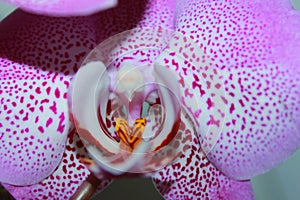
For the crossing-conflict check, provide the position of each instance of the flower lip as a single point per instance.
(97, 138)
(95, 85)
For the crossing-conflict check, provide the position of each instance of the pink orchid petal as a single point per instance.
(254, 46)
(37, 56)
(46, 52)
(64, 7)
(64, 181)
(194, 177)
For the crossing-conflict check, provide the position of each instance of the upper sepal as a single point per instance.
(64, 7)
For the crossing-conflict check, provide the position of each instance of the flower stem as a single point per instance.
(87, 188)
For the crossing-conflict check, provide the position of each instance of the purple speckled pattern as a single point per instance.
(252, 45)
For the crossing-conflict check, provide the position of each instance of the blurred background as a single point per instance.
(280, 183)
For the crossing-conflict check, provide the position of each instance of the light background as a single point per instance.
(281, 183)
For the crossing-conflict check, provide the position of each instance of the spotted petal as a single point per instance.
(194, 177)
(64, 7)
(65, 180)
(39, 56)
(254, 47)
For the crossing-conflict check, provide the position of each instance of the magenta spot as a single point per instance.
(66, 83)
(57, 93)
(175, 64)
(232, 108)
(41, 129)
(26, 117)
(53, 108)
(38, 90)
(36, 119)
(172, 54)
(48, 90)
(61, 126)
(49, 122)
(218, 85)
(45, 101)
(241, 102)
(210, 104)
(212, 121)
(224, 100)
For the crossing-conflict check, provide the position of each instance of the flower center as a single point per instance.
(145, 139)
(130, 136)
(130, 89)
(108, 99)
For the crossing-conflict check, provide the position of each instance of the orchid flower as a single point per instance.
(219, 81)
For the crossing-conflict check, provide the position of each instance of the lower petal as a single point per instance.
(194, 177)
(65, 180)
